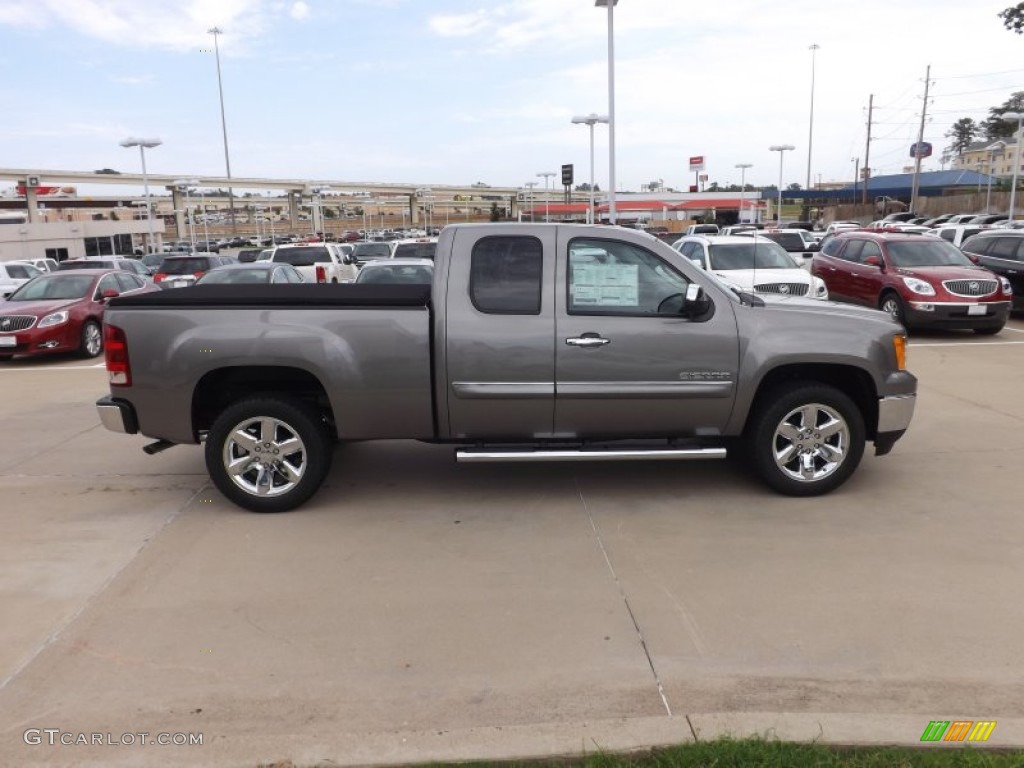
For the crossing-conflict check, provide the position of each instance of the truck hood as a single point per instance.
(817, 306)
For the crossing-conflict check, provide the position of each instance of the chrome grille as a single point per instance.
(970, 287)
(12, 323)
(786, 289)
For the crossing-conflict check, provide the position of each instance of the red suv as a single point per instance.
(921, 280)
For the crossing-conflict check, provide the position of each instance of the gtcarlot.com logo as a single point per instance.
(55, 736)
(958, 730)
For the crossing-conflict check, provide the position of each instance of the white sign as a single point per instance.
(605, 285)
(697, 163)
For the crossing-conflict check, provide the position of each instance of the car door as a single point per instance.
(866, 280)
(833, 265)
(622, 367)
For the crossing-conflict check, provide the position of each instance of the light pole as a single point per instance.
(810, 131)
(547, 195)
(143, 145)
(781, 149)
(743, 185)
(529, 197)
(185, 185)
(988, 191)
(590, 120)
(610, 5)
(1019, 117)
(215, 31)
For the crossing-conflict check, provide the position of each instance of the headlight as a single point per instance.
(919, 286)
(820, 289)
(55, 319)
(1007, 288)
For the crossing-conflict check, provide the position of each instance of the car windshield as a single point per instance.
(53, 287)
(184, 266)
(791, 241)
(754, 255)
(301, 257)
(396, 273)
(235, 276)
(367, 251)
(415, 251)
(931, 253)
(153, 259)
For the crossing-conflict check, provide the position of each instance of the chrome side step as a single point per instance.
(470, 456)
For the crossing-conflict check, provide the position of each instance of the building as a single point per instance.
(62, 240)
(991, 156)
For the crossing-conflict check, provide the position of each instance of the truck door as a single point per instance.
(626, 364)
(499, 333)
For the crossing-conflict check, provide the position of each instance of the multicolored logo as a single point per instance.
(958, 730)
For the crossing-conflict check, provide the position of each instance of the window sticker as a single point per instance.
(605, 285)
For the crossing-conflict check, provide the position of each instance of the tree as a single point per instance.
(995, 127)
(962, 133)
(794, 187)
(1013, 18)
(586, 187)
(495, 215)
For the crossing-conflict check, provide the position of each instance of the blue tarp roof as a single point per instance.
(930, 183)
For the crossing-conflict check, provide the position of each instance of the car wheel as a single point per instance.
(806, 439)
(92, 339)
(991, 330)
(268, 454)
(892, 304)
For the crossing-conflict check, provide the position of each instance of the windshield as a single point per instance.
(931, 253)
(415, 251)
(184, 266)
(396, 273)
(791, 241)
(753, 255)
(305, 256)
(235, 276)
(367, 251)
(53, 287)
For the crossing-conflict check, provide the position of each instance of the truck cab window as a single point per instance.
(505, 275)
(618, 278)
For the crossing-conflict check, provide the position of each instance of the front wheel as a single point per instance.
(268, 454)
(92, 339)
(893, 305)
(806, 439)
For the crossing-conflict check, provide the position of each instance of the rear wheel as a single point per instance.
(893, 305)
(92, 339)
(806, 439)
(268, 454)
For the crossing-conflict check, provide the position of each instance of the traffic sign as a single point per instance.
(567, 175)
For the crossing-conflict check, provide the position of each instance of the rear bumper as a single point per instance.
(117, 415)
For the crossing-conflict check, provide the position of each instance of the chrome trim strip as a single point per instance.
(895, 412)
(112, 418)
(503, 390)
(616, 390)
(482, 457)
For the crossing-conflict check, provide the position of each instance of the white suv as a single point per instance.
(317, 262)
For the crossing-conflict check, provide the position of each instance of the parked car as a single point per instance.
(961, 218)
(416, 248)
(1002, 252)
(318, 262)
(43, 265)
(255, 272)
(938, 220)
(956, 233)
(248, 255)
(62, 312)
(365, 251)
(13, 275)
(183, 271)
(921, 281)
(702, 229)
(751, 263)
(208, 246)
(987, 219)
(398, 271)
(798, 243)
(134, 266)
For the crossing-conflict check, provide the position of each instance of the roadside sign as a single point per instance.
(567, 175)
(921, 149)
(703, 177)
(697, 163)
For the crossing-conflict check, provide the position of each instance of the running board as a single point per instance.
(652, 454)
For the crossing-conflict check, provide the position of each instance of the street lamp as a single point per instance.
(810, 132)
(1019, 117)
(547, 195)
(781, 149)
(143, 145)
(591, 120)
(529, 197)
(215, 31)
(185, 185)
(988, 191)
(743, 185)
(611, 104)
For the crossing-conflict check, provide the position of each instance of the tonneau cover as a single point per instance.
(282, 295)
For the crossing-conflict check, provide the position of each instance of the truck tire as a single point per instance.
(806, 439)
(268, 453)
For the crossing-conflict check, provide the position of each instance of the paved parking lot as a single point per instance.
(418, 609)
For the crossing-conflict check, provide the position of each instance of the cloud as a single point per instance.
(132, 79)
(460, 25)
(299, 11)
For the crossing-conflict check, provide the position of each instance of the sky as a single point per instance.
(463, 91)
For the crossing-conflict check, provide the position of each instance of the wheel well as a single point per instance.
(219, 389)
(854, 382)
(885, 292)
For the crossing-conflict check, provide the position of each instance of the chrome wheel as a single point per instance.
(892, 305)
(264, 456)
(811, 442)
(92, 339)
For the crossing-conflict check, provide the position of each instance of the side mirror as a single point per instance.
(973, 258)
(873, 261)
(697, 304)
(109, 293)
(814, 247)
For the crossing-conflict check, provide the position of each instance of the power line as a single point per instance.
(1014, 88)
(980, 74)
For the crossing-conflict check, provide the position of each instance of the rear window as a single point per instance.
(396, 273)
(415, 251)
(791, 241)
(96, 264)
(302, 257)
(22, 271)
(184, 266)
(367, 251)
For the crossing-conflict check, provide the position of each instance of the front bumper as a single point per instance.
(894, 415)
(117, 415)
(954, 315)
(40, 341)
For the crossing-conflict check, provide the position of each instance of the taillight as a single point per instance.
(115, 345)
(197, 275)
(321, 273)
(159, 277)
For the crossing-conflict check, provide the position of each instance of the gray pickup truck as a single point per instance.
(536, 342)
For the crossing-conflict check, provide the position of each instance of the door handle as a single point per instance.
(587, 340)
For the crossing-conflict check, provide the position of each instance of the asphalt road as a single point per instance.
(417, 609)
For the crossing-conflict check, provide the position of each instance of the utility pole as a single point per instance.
(920, 139)
(867, 151)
